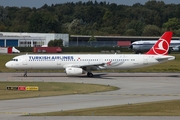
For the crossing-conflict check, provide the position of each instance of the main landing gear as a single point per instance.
(89, 74)
(25, 74)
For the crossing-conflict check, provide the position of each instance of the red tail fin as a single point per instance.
(161, 47)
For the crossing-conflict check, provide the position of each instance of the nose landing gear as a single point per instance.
(25, 74)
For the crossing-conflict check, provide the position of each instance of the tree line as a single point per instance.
(93, 18)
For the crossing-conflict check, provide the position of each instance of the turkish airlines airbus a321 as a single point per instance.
(77, 64)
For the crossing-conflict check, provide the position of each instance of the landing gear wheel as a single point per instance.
(89, 74)
(25, 74)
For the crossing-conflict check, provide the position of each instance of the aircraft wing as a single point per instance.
(86, 66)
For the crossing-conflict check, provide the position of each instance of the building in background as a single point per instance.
(9, 39)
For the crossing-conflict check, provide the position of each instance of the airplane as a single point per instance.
(78, 64)
(144, 46)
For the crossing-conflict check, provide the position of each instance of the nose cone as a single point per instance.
(8, 65)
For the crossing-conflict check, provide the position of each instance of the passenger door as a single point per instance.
(25, 60)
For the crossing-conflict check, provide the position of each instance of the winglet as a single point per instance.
(161, 47)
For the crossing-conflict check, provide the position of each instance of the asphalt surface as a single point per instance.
(134, 88)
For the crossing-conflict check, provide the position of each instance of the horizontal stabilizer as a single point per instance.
(165, 58)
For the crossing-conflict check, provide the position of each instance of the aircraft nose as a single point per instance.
(8, 65)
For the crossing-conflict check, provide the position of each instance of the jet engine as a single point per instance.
(176, 49)
(72, 71)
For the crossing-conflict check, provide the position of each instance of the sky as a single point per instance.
(40, 3)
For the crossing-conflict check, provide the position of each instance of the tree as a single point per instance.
(92, 39)
(151, 30)
(130, 32)
(137, 26)
(2, 28)
(55, 43)
(75, 26)
(172, 24)
(177, 32)
(91, 18)
(43, 22)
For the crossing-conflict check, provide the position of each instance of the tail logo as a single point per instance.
(161, 47)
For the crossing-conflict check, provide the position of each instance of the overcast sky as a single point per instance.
(40, 3)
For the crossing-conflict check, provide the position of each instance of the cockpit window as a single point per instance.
(14, 60)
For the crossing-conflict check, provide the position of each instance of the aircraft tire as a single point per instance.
(89, 74)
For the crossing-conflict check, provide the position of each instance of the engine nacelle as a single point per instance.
(176, 49)
(72, 71)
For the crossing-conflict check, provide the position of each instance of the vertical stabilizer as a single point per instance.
(161, 47)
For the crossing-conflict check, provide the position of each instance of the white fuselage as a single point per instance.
(96, 61)
(146, 45)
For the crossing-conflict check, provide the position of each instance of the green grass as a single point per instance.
(49, 89)
(165, 108)
(5, 58)
(171, 66)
